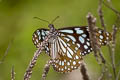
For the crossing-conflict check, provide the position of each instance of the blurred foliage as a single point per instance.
(17, 24)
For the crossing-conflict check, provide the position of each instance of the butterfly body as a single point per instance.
(67, 47)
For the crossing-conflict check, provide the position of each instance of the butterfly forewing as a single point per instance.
(76, 38)
(39, 36)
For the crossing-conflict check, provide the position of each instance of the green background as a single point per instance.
(17, 25)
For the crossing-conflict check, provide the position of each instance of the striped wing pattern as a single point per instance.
(69, 46)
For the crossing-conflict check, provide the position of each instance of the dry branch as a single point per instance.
(46, 69)
(112, 8)
(28, 73)
(83, 71)
(6, 52)
(100, 13)
(12, 73)
(112, 50)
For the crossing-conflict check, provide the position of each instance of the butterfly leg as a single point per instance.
(46, 69)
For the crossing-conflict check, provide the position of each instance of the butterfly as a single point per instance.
(69, 45)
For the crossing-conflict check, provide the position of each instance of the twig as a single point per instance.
(12, 73)
(28, 73)
(113, 9)
(84, 71)
(92, 33)
(6, 52)
(100, 13)
(94, 43)
(91, 27)
(112, 50)
(102, 74)
(46, 69)
(101, 56)
(118, 75)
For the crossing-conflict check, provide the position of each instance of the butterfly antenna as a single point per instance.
(41, 19)
(55, 19)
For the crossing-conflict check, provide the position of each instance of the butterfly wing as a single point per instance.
(69, 46)
(77, 38)
(39, 36)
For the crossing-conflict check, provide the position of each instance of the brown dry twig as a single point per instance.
(12, 73)
(100, 13)
(92, 33)
(6, 52)
(112, 50)
(83, 71)
(46, 69)
(118, 75)
(92, 29)
(112, 8)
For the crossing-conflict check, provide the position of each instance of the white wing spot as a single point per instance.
(78, 31)
(105, 41)
(76, 48)
(63, 42)
(72, 67)
(65, 67)
(38, 32)
(88, 43)
(85, 46)
(67, 31)
(74, 63)
(71, 52)
(107, 38)
(62, 69)
(107, 33)
(63, 48)
(88, 50)
(43, 33)
(64, 60)
(79, 62)
(78, 45)
(68, 54)
(72, 38)
(100, 31)
(68, 68)
(35, 35)
(100, 40)
(76, 57)
(59, 62)
(68, 44)
(84, 35)
(88, 39)
(62, 35)
(81, 39)
(68, 63)
(37, 40)
(73, 42)
(62, 63)
(67, 39)
(101, 37)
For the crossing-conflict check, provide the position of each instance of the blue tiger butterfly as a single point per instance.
(69, 46)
